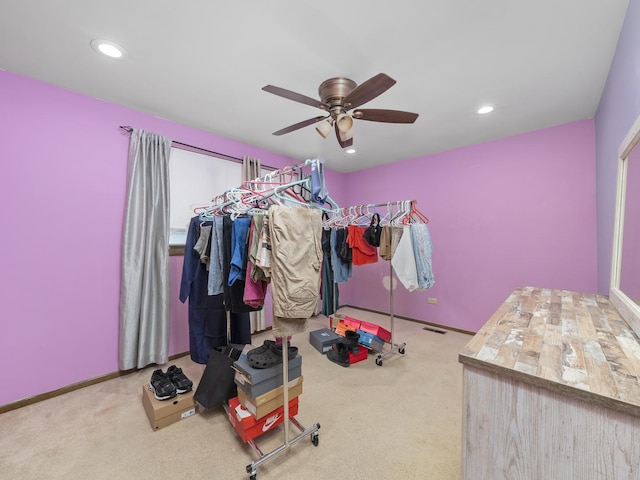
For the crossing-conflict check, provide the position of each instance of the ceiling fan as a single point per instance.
(338, 97)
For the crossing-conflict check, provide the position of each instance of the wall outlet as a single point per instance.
(433, 301)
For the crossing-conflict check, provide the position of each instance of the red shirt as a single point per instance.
(363, 252)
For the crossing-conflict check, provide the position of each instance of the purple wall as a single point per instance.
(618, 109)
(516, 211)
(505, 213)
(62, 195)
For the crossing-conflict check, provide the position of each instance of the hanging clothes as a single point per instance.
(318, 188)
(239, 249)
(422, 248)
(206, 313)
(256, 273)
(254, 291)
(342, 270)
(296, 244)
(363, 252)
(329, 289)
(216, 257)
(404, 261)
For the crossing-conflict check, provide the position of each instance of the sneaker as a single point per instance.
(161, 386)
(179, 379)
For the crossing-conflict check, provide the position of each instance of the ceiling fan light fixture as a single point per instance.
(345, 122)
(324, 127)
(350, 150)
(345, 136)
(485, 109)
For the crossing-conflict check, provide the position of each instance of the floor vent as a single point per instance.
(435, 330)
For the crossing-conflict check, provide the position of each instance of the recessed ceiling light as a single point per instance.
(110, 49)
(350, 150)
(486, 109)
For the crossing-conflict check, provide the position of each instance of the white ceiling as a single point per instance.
(203, 64)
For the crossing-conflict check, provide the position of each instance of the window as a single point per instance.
(195, 179)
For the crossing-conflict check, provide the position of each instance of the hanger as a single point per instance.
(415, 215)
(285, 194)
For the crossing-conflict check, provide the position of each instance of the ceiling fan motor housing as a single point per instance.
(333, 91)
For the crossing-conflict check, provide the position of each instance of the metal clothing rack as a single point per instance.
(287, 443)
(394, 347)
(220, 205)
(409, 208)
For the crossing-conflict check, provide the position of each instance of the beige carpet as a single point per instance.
(401, 420)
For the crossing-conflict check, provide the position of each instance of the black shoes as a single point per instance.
(269, 354)
(352, 338)
(339, 354)
(179, 379)
(167, 385)
(161, 386)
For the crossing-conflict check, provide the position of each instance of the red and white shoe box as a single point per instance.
(248, 427)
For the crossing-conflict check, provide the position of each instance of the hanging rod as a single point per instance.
(186, 146)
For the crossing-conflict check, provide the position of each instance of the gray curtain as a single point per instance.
(144, 291)
(251, 169)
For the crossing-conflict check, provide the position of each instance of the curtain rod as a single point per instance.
(186, 146)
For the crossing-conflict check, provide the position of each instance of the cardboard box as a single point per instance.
(323, 340)
(266, 385)
(248, 427)
(257, 375)
(363, 355)
(270, 401)
(377, 330)
(371, 341)
(165, 412)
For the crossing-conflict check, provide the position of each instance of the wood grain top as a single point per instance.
(573, 343)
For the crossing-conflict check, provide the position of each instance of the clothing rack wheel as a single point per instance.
(311, 431)
(395, 348)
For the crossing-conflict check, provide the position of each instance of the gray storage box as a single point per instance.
(324, 339)
(257, 389)
(257, 375)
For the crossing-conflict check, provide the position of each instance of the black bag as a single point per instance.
(372, 232)
(217, 386)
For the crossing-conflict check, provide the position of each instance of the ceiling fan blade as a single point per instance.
(368, 90)
(382, 115)
(299, 125)
(296, 97)
(346, 143)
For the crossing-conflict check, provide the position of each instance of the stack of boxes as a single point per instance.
(372, 336)
(259, 406)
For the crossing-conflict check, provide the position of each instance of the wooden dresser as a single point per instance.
(552, 391)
